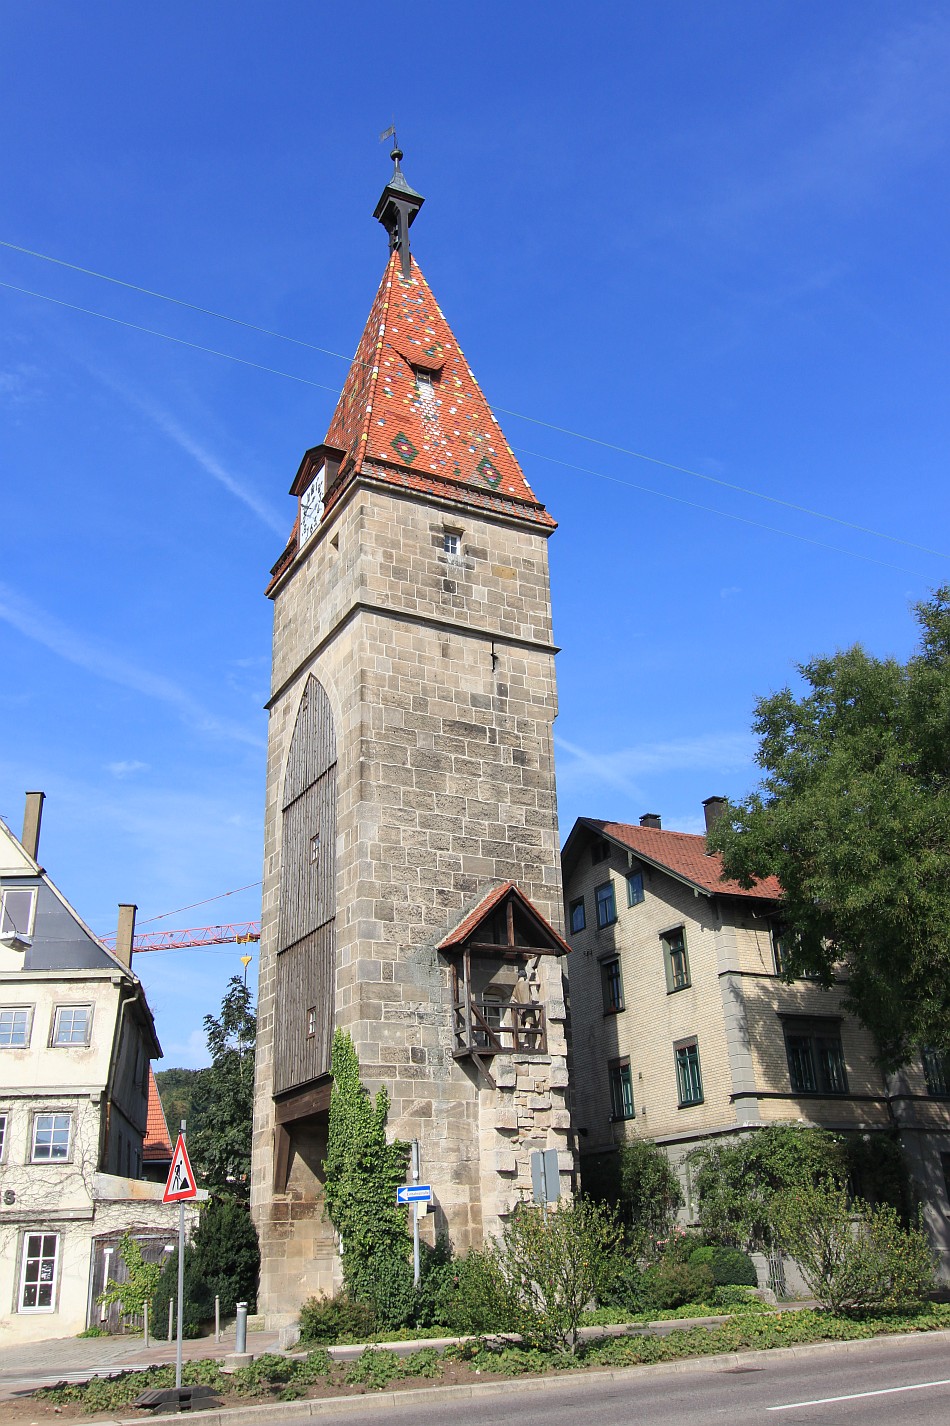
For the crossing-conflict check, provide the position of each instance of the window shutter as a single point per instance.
(667, 965)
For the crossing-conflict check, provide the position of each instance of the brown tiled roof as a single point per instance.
(447, 444)
(479, 913)
(156, 1144)
(684, 854)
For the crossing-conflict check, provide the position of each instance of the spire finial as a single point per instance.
(398, 205)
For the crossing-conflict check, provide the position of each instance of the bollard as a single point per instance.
(240, 1329)
(145, 1324)
(171, 1309)
(217, 1318)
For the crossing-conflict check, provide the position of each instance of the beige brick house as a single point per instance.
(411, 875)
(682, 1027)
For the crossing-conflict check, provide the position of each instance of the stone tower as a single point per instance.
(411, 871)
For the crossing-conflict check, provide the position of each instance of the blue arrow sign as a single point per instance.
(414, 1193)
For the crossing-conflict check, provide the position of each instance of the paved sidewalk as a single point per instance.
(27, 1365)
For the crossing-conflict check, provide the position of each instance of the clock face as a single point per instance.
(311, 505)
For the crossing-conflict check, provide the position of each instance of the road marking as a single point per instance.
(857, 1395)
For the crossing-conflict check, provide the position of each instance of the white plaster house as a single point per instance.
(76, 1039)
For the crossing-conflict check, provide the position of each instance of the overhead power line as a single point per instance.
(502, 410)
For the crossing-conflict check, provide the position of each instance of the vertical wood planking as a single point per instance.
(306, 960)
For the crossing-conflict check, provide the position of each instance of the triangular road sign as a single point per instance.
(181, 1180)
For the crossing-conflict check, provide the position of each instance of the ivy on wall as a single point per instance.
(363, 1172)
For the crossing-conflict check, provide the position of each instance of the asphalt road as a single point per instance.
(885, 1385)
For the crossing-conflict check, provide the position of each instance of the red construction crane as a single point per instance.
(238, 931)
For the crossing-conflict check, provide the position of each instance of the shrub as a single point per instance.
(673, 1284)
(226, 1253)
(198, 1304)
(336, 1319)
(737, 1181)
(624, 1287)
(472, 1295)
(639, 1183)
(729, 1266)
(853, 1257)
(553, 1269)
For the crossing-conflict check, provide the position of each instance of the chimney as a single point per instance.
(125, 935)
(713, 807)
(651, 819)
(32, 817)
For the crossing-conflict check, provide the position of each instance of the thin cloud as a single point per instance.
(626, 768)
(208, 462)
(34, 623)
(199, 453)
(126, 769)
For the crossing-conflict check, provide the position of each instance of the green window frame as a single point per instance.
(676, 959)
(606, 903)
(612, 982)
(689, 1078)
(936, 1072)
(634, 888)
(621, 1089)
(815, 1057)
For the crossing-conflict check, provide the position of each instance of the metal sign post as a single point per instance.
(415, 1216)
(545, 1178)
(180, 1187)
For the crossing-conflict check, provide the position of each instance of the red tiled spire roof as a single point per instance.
(446, 444)
(157, 1144)
(684, 854)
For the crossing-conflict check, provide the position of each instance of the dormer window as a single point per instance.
(16, 911)
(425, 383)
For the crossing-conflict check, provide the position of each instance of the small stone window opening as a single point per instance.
(314, 848)
(450, 544)
(311, 1022)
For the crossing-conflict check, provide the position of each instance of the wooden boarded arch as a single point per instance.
(306, 959)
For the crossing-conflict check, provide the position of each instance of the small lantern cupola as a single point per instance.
(396, 210)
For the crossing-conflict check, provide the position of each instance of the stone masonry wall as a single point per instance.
(440, 673)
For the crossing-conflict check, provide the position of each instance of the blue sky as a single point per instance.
(714, 235)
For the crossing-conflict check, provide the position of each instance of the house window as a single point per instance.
(578, 917)
(945, 1165)
(815, 1057)
(689, 1080)
(311, 1022)
(3, 1135)
(675, 959)
(51, 1134)
(16, 911)
(621, 1089)
(937, 1073)
(71, 1024)
(38, 1275)
(15, 1028)
(613, 986)
(599, 850)
(450, 545)
(780, 950)
(634, 888)
(606, 905)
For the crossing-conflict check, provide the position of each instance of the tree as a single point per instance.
(638, 1180)
(853, 817)
(363, 1172)
(223, 1096)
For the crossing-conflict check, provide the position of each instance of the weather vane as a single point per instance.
(390, 133)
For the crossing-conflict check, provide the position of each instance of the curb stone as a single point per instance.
(320, 1406)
